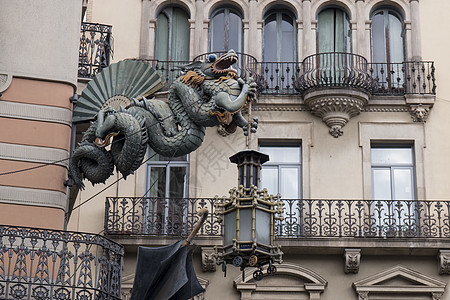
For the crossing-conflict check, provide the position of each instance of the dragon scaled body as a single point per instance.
(208, 94)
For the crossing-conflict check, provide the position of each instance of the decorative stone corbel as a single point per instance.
(352, 260)
(208, 259)
(437, 296)
(363, 295)
(444, 262)
(420, 112)
(337, 108)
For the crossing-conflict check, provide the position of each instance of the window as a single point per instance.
(172, 35)
(333, 31)
(225, 31)
(333, 41)
(279, 51)
(282, 174)
(167, 185)
(393, 187)
(388, 48)
(279, 38)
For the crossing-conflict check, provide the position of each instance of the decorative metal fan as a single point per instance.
(115, 86)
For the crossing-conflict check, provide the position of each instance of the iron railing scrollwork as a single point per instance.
(364, 219)
(96, 49)
(332, 70)
(322, 71)
(43, 264)
(279, 77)
(415, 77)
(158, 216)
(302, 218)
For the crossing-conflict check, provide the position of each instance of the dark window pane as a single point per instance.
(378, 39)
(270, 39)
(157, 186)
(177, 180)
(287, 39)
(395, 39)
(235, 32)
(218, 32)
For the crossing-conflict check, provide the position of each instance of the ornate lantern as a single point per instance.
(248, 217)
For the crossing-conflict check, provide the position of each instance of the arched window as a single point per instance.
(279, 43)
(333, 31)
(172, 35)
(225, 31)
(279, 51)
(388, 50)
(387, 37)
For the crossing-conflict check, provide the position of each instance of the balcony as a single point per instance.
(96, 49)
(171, 70)
(307, 224)
(45, 264)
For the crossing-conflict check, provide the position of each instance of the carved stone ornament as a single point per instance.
(437, 296)
(420, 112)
(5, 81)
(352, 260)
(363, 295)
(208, 259)
(336, 109)
(444, 262)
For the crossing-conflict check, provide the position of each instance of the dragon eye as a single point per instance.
(212, 58)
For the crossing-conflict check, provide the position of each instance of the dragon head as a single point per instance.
(215, 67)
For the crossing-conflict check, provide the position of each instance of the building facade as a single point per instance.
(352, 111)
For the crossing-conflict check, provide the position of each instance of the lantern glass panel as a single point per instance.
(262, 227)
(229, 228)
(245, 225)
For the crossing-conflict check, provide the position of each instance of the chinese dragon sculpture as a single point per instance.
(209, 93)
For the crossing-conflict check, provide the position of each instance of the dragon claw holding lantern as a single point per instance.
(209, 94)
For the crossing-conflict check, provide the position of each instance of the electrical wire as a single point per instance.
(68, 158)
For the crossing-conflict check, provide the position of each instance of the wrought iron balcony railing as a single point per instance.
(322, 71)
(334, 70)
(403, 78)
(44, 264)
(96, 49)
(158, 216)
(279, 77)
(302, 218)
(171, 70)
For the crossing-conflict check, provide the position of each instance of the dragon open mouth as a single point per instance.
(223, 64)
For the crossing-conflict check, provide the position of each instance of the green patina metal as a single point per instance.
(208, 94)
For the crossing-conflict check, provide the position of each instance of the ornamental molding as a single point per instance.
(420, 112)
(5, 81)
(336, 108)
(208, 259)
(415, 282)
(352, 260)
(444, 262)
(384, 109)
(277, 107)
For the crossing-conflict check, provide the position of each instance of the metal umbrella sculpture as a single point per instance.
(167, 272)
(209, 93)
